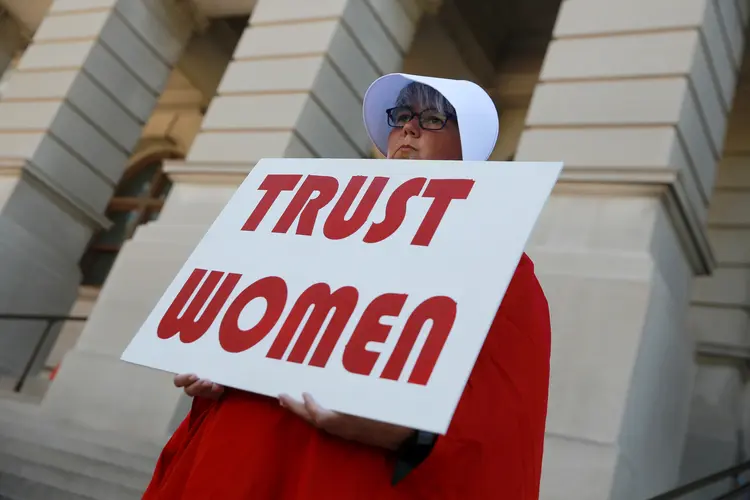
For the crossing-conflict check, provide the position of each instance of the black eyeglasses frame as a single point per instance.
(448, 117)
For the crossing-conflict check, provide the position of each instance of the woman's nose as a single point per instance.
(412, 126)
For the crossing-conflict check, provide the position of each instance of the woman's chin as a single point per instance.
(406, 154)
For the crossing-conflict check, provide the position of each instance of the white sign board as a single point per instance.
(370, 284)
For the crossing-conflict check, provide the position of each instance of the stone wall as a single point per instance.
(70, 117)
(719, 432)
(634, 97)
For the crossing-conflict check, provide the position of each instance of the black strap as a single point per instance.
(412, 453)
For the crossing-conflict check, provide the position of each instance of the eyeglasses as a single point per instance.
(429, 119)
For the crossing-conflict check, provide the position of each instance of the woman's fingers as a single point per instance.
(184, 379)
(296, 407)
(198, 388)
(204, 389)
(193, 386)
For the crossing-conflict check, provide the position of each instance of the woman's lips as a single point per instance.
(407, 152)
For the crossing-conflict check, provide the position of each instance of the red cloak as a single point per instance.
(246, 446)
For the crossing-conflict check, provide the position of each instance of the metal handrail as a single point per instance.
(730, 472)
(735, 492)
(50, 321)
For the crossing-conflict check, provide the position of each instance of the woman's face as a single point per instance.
(414, 143)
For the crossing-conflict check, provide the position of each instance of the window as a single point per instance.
(138, 199)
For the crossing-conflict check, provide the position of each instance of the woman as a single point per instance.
(237, 445)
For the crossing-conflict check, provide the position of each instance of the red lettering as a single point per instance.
(188, 324)
(337, 227)
(234, 339)
(273, 185)
(317, 191)
(319, 297)
(395, 210)
(305, 207)
(443, 192)
(442, 312)
(357, 359)
(192, 319)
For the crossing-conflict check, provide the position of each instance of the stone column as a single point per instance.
(293, 89)
(719, 319)
(70, 116)
(634, 97)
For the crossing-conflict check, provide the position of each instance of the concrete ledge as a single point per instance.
(67, 201)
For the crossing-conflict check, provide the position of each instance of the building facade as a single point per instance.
(126, 125)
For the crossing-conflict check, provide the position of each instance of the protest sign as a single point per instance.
(370, 284)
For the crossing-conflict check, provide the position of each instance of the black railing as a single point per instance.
(49, 323)
(729, 473)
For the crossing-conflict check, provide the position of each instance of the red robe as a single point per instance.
(246, 446)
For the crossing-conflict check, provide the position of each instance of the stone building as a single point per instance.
(125, 126)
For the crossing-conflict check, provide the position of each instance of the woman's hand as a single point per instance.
(349, 427)
(193, 386)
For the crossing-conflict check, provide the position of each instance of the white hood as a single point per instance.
(477, 116)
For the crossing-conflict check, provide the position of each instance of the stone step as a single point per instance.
(13, 487)
(63, 446)
(34, 388)
(80, 465)
(7, 393)
(59, 443)
(51, 460)
(73, 483)
(23, 424)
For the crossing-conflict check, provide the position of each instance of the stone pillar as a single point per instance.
(634, 97)
(719, 316)
(70, 116)
(445, 46)
(515, 82)
(293, 89)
